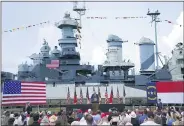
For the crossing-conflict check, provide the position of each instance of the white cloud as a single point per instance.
(50, 33)
(98, 55)
(176, 35)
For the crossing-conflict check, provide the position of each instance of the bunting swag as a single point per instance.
(26, 27)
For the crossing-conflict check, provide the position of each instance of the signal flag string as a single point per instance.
(170, 22)
(48, 22)
(26, 27)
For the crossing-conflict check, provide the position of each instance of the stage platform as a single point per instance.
(102, 107)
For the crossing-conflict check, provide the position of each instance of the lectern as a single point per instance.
(95, 102)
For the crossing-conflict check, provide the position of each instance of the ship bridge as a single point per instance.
(67, 21)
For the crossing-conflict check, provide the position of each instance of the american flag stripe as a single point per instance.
(18, 93)
(23, 102)
(23, 95)
(35, 85)
(27, 94)
(32, 91)
(39, 86)
(36, 88)
(24, 98)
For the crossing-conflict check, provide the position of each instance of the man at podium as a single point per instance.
(95, 101)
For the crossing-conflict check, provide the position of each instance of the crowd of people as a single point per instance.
(166, 116)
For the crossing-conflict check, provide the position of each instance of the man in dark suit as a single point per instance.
(94, 98)
(159, 105)
(27, 108)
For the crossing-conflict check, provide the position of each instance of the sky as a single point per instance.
(18, 45)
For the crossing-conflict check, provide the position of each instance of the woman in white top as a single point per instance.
(16, 116)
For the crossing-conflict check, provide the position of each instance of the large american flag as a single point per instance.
(106, 97)
(19, 93)
(81, 96)
(54, 64)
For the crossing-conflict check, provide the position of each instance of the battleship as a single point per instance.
(60, 67)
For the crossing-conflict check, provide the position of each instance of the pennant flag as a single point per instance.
(81, 96)
(106, 96)
(87, 96)
(111, 96)
(118, 97)
(68, 96)
(75, 97)
(99, 95)
(151, 93)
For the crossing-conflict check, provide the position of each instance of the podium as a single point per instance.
(95, 106)
(95, 102)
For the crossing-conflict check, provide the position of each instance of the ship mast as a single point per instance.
(80, 10)
(155, 19)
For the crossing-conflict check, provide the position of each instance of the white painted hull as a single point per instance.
(60, 91)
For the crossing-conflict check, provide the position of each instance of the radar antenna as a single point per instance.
(80, 10)
(155, 19)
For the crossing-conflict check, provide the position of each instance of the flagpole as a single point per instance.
(38, 108)
(124, 94)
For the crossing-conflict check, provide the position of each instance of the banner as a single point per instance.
(151, 92)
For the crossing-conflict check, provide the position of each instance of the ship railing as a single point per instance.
(71, 53)
(120, 64)
(66, 22)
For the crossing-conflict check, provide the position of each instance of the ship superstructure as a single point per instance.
(176, 62)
